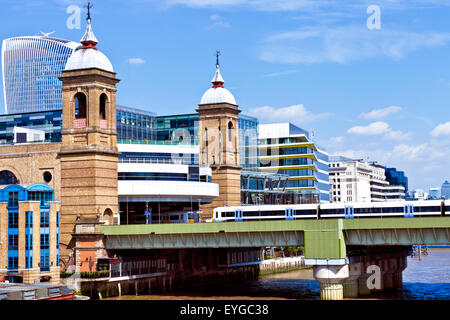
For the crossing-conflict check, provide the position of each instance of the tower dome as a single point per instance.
(88, 56)
(217, 94)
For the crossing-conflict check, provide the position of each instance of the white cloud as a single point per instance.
(295, 114)
(217, 22)
(377, 114)
(344, 44)
(398, 135)
(136, 61)
(380, 128)
(262, 5)
(374, 129)
(281, 73)
(441, 130)
(297, 5)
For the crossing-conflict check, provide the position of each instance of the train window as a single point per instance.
(174, 217)
(428, 209)
(447, 208)
(363, 210)
(272, 213)
(305, 212)
(251, 213)
(393, 210)
(332, 211)
(228, 214)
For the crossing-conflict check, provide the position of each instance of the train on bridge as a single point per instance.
(403, 209)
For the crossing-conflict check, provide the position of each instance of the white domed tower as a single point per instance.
(88, 154)
(219, 142)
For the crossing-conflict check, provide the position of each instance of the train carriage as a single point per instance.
(404, 209)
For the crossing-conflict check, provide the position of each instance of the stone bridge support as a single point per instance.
(331, 280)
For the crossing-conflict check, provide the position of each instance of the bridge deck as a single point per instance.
(323, 238)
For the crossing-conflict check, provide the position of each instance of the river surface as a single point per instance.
(427, 279)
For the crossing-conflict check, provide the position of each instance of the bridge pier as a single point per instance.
(331, 279)
(397, 276)
(351, 284)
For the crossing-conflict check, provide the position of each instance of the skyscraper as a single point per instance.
(445, 190)
(31, 67)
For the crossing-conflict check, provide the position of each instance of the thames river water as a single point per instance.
(428, 279)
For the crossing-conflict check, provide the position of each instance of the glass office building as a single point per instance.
(248, 142)
(31, 67)
(50, 122)
(174, 129)
(289, 150)
(134, 125)
(396, 178)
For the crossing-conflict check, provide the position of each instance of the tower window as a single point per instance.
(80, 106)
(230, 127)
(103, 99)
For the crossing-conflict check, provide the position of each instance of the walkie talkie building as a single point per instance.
(31, 67)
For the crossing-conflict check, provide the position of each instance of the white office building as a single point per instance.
(360, 181)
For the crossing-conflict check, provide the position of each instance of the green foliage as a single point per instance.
(294, 251)
(65, 274)
(94, 274)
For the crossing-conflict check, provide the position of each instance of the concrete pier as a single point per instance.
(351, 284)
(331, 280)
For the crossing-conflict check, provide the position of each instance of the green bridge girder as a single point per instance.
(323, 238)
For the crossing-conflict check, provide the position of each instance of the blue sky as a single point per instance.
(378, 94)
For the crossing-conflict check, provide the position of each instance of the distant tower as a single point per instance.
(219, 142)
(89, 154)
(445, 190)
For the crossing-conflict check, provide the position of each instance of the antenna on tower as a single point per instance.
(89, 6)
(218, 53)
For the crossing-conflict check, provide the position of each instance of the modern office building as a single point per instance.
(396, 178)
(162, 179)
(29, 231)
(50, 122)
(417, 194)
(31, 66)
(360, 181)
(288, 150)
(445, 190)
(434, 194)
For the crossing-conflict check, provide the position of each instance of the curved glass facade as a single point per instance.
(31, 67)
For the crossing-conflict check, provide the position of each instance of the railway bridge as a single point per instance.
(350, 257)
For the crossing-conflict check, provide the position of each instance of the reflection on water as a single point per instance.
(425, 279)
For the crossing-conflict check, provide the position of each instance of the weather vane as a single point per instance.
(217, 57)
(89, 6)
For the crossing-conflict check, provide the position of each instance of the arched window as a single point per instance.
(80, 106)
(7, 177)
(230, 127)
(103, 100)
(107, 217)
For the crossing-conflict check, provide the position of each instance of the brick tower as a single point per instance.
(219, 143)
(89, 154)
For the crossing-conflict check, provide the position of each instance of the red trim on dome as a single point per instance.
(89, 45)
(218, 84)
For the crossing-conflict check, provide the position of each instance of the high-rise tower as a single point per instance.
(219, 142)
(31, 66)
(89, 154)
